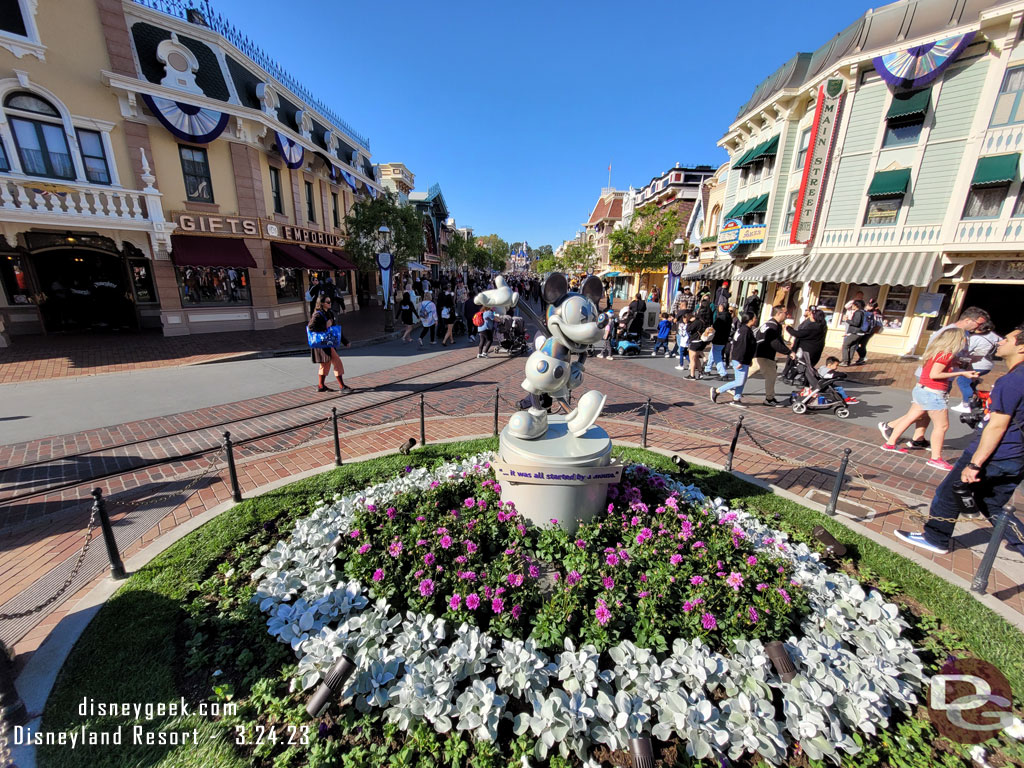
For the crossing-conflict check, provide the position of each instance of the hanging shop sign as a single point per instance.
(190, 223)
(752, 233)
(274, 231)
(826, 120)
(729, 235)
(998, 270)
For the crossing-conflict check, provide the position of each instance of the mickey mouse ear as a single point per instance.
(592, 288)
(555, 287)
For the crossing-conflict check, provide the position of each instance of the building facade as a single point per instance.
(168, 175)
(883, 165)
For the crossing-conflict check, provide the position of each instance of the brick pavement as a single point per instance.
(30, 358)
(33, 551)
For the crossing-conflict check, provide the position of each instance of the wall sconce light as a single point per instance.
(407, 446)
(642, 752)
(334, 682)
(781, 661)
(833, 546)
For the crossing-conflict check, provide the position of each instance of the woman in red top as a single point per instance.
(931, 395)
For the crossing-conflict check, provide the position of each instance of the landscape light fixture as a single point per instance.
(680, 463)
(337, 541)
(833, 546)
(781, 661)
(642, 752)
(407, 446)
(334, 682)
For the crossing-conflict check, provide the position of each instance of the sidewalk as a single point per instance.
(30, 358)
(40, 551)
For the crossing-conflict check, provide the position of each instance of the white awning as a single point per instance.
(417, 266)
(719, 270)
(876, 268)
(779, 269)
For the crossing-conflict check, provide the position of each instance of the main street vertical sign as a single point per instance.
(819, 154)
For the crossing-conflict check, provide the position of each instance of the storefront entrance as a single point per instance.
(85, 290)
(1000, 300)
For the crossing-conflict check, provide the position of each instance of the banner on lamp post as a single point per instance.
(819, 154)
(384, 261)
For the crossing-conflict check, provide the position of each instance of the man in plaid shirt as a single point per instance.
(684, 301)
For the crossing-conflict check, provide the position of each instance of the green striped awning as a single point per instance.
(757, 205)
(744, 158)
(778, 269)
(768, 149)
(874, 268)
(736, 210)
(995, 169)
(909, 105)
(890, 183)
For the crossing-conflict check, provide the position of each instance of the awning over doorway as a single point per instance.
(415, 265)
(720, 270)
(333, 258)
(918, 269)
(199, 251)
(610, 273)
(779, 269)
(295, 257)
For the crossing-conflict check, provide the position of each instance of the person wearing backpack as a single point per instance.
(485, 329)
(877, 323)
(981, 349)
(428, 316)
(858, 328)
(469, 312)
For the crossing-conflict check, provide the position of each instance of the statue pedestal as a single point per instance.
(558, 476)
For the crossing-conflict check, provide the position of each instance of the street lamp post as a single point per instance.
(385, 261)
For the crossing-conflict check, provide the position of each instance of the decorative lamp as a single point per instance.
(407, 446)
(642, 752)
(833, 546)
(334, 682)
(781, 661)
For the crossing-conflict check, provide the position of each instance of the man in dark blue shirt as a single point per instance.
(992, 466)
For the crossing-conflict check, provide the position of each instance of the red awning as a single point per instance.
(295, 257)
(331, 257)
(199, 251)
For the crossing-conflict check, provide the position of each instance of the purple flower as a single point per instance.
(573, 578)
(735, 581)
(687, 606)
(708, 621)
(698, 544)
(418, 573)
(696, 580)
(515, 579)
(460, 559)
(634, 521)
(497, 605)
(785, 595)
(420, 518)
(472, 601)
(516, 610)
(534, 572)
(581, 544)
(469, 502)
(421, 542)
(455, 602)
(645, 593)
(408, 469)
(554, 521)
(395, 548)
(378, 575)
(609, 582)
(363, 549)
(643, 577)
(428, 559)
(371, 507)
(612, 560)
(752, 612)
(354, 533)
(445, 542)
(762, 587)
(488, 592)
(751, 560)
(602, 613)
(471, 546)
(427, 587)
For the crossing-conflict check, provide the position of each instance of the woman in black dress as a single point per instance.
(322, 319)
(407, 311)
(446, 322)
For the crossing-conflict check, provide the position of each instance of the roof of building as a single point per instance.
(608, 207)
(877, 29)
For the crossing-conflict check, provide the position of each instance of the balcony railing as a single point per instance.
(70, 199)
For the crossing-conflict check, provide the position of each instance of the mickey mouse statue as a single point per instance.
(574, 323)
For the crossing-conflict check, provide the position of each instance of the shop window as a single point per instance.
(39, 137)
(288, 284)
(946, 291)
(828, 299)
(882, 212)
(195, 166)
(895, 308)
(275, 190)
(787, 225)
(11, 18)
(142, 281)
(1009, 108)
(985, 202)
(341, 280)
(12, 271)
(5, 164)
(801, 153)
(1018, 207)
(310, 205)
(902, 134)
(334, 210)
(93, 156)
(213, 286)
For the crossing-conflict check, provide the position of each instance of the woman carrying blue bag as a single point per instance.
(324, 337)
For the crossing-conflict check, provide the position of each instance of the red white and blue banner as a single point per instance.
(291, 151)
(349, 179)
(918, 66)
(198, 125)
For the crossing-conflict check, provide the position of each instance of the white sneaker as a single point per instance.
(961, 408)
(667, 355)
(654, 354)
(682, 368)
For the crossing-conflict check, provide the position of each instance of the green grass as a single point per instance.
(186, 614)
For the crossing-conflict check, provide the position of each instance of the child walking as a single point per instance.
(664, 331)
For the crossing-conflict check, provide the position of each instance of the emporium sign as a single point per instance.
(190, 223)
(823, 131)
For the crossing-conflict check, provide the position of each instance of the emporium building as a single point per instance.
(158, 170)
(885, 165)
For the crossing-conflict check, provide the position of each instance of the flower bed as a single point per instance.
(648, 632)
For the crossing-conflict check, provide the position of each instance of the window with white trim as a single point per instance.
(1009, 107)
(985, 202)
(39, 136)
(5, 164)
(801, 152)
(12, 19)
(787, 225)
(882, 211)
(94, 157)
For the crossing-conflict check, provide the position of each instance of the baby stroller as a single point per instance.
(819, 394)
(459, 326)
(513, 335)
(793, 373)
(979, 404)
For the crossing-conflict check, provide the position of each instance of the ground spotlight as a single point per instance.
(407, 446)
(680, 463)
(642, 752)
(832, 545)
(780, 660)
(337, 541)
(334, 682)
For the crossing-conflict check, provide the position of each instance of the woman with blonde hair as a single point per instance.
(931, 395)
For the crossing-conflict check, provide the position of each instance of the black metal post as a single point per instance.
(12, 708)
(831, 508)
(100, 507)
(337, 440)
(229, 452)
(647, 419)
(496, 411)
(423, 421)
(732, 445)
(980, 583)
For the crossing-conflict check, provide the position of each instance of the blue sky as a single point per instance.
(517, 109)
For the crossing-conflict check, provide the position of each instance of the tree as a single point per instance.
(579, 258)
(497, 252)
(362, 225)
(646, 246)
